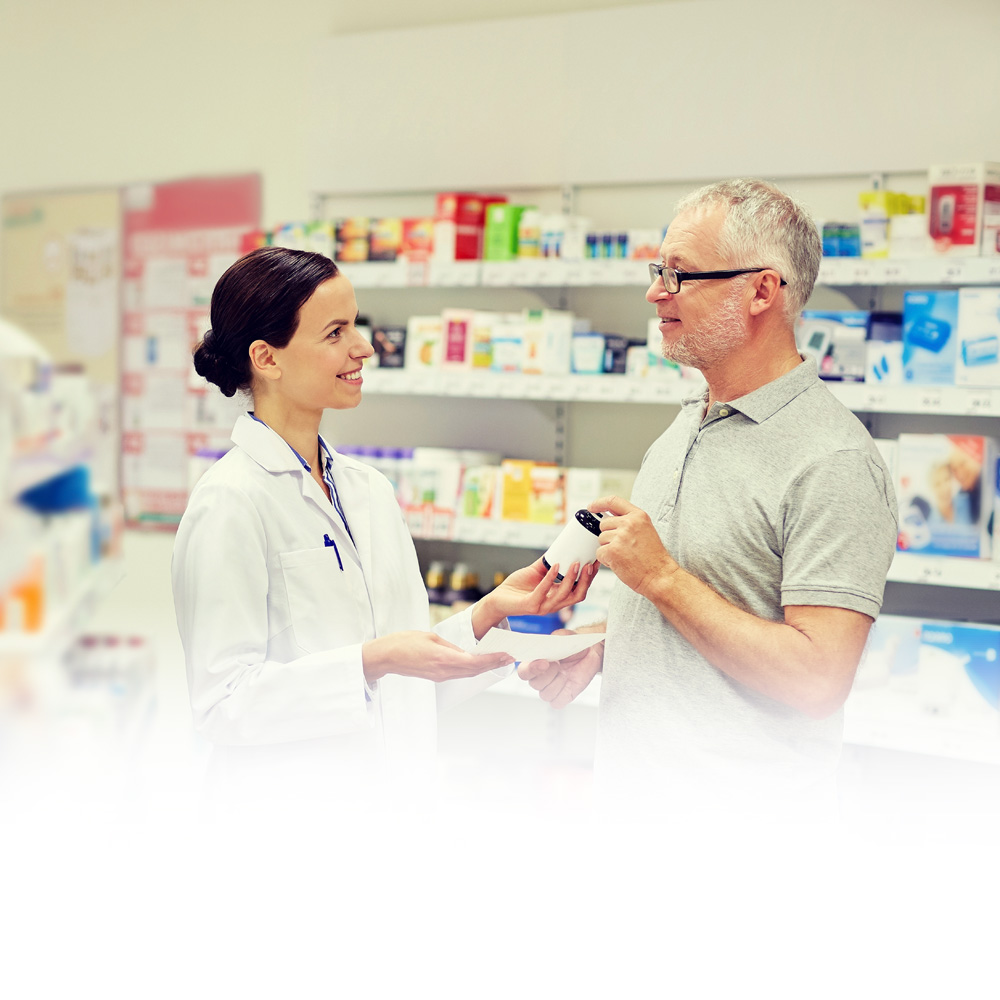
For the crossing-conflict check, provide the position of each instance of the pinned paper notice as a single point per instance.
(529, 646)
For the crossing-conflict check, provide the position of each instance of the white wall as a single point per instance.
(114, 90)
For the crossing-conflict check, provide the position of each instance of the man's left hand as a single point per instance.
(630, 545)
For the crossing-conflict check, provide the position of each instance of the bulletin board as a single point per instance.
(59, 274)
(177, 239)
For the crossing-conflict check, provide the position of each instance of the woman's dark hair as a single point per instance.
(258, 298)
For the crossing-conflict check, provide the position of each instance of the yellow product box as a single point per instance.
(515, 489)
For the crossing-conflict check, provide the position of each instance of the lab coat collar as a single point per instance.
(265, 446)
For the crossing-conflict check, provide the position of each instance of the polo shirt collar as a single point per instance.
(768, 399)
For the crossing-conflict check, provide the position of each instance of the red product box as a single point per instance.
(964, 207)
(418, 239)
(460, 218)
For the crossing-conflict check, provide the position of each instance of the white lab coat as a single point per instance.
(271, 626)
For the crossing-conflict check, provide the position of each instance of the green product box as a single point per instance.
(500, 237)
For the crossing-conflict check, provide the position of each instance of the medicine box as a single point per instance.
(945, 489)
(930, 319)
(390, 346)
(456, 349)
(418, 239)
(500, 234)
(977, 352)
(424, 342)
(507, 342)
(835, 339)
(352, 238)
(884, 348)
(962, 198)
(546, 342)
(385, 238)
(459, 221)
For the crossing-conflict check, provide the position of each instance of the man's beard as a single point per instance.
(714, 340)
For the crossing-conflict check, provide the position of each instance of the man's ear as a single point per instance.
(767, 290)
(263, 360)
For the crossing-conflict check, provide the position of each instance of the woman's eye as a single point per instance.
(334, 334)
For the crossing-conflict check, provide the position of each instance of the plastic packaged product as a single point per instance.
(529, 233)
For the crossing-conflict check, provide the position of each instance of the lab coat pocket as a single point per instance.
(321, 603)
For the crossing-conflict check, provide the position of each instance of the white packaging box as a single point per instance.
(977, 357)
(584, 486)
(424, 342)
(961, 197)
(547, 340)
(945, 488)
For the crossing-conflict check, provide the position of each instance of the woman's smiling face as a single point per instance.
(321, 364)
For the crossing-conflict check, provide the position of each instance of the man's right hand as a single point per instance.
(559, 681)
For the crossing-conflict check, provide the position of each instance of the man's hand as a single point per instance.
(559, 681)
(630, 545)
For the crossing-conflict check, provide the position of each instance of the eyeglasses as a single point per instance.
(672, 278)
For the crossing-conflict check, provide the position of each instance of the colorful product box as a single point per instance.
(835, 339)
(481, 341)
(962, 197)
(500, 235)
(352, 238)
(977, 351)
(945, 489)
(385, 238)
(459, 222)
(929, 323)
(480, 486)
(418, 239)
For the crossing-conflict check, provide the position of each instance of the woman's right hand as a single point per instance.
(424, 654)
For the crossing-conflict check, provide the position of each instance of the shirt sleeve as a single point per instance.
(238, 696)
(839, 534)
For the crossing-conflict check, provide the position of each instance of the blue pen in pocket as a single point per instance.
(328, 541)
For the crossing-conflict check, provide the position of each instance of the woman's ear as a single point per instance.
(263, 360)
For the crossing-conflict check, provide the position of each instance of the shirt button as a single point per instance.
(723, 412)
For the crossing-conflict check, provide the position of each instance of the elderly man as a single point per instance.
(752, 558)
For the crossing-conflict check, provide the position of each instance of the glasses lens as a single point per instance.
(654, 273)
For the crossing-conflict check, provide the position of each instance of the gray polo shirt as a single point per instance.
(779, 497)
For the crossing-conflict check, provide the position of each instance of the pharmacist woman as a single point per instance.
(298, 595)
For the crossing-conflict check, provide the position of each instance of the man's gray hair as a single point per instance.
(764, 227)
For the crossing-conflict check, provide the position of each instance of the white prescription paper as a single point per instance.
(528, 646)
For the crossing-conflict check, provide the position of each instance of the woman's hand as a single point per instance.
(424, 654)
(532, 590)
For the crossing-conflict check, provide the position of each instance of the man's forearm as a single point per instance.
(773, 658)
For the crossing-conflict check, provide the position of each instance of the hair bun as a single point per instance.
(215, 368)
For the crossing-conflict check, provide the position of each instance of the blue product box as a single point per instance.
(930, 320)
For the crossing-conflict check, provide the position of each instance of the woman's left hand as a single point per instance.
(533, 590)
